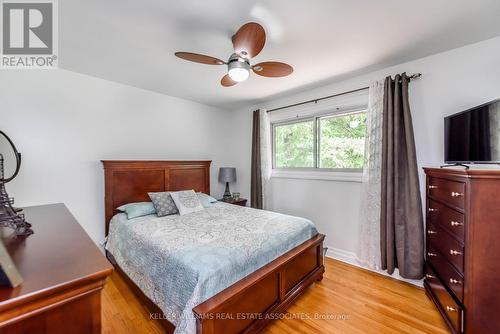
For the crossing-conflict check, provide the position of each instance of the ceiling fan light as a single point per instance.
(238, 74)
(238, 68)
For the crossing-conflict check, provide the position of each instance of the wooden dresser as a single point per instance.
(463, 247)
(64, 273)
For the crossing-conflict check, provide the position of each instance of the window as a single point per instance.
(294, 144)
(341, 141)
(334, 141)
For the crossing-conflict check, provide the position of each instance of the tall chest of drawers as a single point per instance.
(463, 247)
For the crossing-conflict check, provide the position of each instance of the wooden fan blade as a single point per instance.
(272, 69)
(249, 40)
(197, 58)
(226, 81)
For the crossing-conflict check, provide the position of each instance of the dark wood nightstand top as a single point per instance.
(239, 201)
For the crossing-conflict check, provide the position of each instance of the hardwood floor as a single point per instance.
(347, 300)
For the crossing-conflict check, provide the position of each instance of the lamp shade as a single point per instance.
(227, 174)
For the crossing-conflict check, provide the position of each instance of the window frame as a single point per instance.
(316, 141)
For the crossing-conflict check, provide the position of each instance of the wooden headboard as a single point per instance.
(128, 181)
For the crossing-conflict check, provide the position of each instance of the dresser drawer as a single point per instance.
(453, 221)
(450, 192)
(445, 244)
(445, 302)
(450, 277)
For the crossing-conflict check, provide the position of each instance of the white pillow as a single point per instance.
(186, 201)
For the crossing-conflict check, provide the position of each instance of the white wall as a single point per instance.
(451, 81)
(64, 123)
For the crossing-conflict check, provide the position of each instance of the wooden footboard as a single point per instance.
(250, 304)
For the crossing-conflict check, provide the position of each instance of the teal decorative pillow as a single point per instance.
(206, 200)
(139, 209)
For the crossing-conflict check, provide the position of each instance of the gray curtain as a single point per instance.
(401, 221)
(256, 197)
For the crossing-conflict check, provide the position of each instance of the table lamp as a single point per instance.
(227, 174)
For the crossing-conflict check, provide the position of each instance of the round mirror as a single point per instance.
(11, 158)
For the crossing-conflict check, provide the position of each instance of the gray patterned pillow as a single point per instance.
(163, 203)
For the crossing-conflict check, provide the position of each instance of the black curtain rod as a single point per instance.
(411, 77)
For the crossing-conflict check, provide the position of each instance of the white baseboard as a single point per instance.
(350, 258)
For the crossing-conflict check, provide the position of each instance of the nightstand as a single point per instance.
(239, 201)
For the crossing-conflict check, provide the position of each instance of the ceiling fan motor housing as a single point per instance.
(236, 61)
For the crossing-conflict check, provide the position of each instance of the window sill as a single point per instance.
(318, 175)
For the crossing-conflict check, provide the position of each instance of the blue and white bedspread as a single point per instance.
(181, 261)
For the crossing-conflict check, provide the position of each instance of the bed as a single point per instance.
(225, 269)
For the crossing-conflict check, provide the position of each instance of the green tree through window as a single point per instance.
(295, 145)
(340, 142)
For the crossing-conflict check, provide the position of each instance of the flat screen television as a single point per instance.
(473, 136)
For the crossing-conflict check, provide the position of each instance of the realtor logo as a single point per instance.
(29, 38)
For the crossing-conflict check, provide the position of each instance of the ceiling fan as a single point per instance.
(248, 41)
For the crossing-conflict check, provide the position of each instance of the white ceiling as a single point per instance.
(133, 42)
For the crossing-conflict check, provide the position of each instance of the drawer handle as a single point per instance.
(454, 281)
(432, 210)
(431, 232)
(432, 187)
(455, 194)
(454, 223)
(451, 309)
(429, 276)
(431, 254)
(455, 252)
